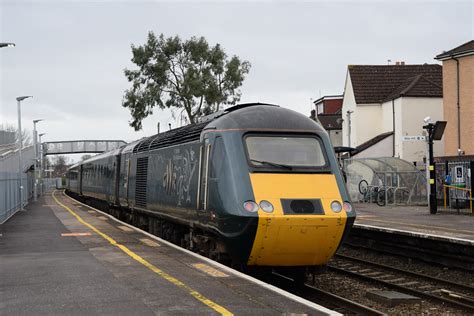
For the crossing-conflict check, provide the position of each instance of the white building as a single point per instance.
(383, 103)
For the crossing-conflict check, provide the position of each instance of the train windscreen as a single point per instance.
(285, 152)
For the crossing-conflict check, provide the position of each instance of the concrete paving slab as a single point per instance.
(42, 272)
(417, 220)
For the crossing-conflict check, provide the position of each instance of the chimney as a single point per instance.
(402, 63)
(397, 63)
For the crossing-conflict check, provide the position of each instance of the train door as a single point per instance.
(127, 182)
(203, 180)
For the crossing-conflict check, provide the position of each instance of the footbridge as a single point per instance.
(80, 146)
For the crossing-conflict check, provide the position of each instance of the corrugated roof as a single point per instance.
(375, 83)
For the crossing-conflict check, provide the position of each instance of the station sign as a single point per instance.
(413, 138)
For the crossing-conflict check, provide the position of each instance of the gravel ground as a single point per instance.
(356, 289)
(451, 274)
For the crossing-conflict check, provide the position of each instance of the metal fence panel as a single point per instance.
(10, 193)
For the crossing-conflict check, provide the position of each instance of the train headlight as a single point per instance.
(251, 206)
(336, 206)
(266, 206)
(347, 207)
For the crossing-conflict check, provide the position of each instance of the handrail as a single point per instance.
(457, 188)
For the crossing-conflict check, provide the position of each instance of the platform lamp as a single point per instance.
(435, 132)
(35, 146)
(41, 163)
(7, 45)
(20, 145)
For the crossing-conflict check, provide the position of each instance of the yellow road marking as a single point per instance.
(75, 234)
(91, 212)
(125, 228)
(147, 264)
(149, 242)
(210, 270)
(419, 226)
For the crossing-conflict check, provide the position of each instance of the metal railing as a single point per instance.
(455, 196)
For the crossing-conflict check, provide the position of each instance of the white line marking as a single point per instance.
(418, 234)
(125, 229)
(223, 267)
(149, 242)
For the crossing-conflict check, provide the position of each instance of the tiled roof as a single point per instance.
(370, 143)
(374, 83)
(330, 121)
(466, 48)
(417, 86)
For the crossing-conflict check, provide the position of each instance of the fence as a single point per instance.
(10, 193)
(454, 182)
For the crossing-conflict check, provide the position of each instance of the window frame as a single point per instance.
(326, 168)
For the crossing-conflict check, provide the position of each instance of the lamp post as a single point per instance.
(435, 132)
(35, 147)
(20, 145)
(41, 163)
(7, 45)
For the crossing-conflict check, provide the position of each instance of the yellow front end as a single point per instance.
(296, 240)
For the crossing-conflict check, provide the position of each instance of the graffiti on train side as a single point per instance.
(179, 173)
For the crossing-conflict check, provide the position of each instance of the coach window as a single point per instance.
(218, 158)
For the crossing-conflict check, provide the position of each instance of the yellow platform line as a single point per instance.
(147, 264)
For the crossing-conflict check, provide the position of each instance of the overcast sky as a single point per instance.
(70, 55)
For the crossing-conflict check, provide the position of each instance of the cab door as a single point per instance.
(203, 179)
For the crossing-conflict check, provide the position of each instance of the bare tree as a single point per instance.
(25, 135)
(60, 165)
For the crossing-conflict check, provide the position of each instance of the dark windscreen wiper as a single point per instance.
(274, 164)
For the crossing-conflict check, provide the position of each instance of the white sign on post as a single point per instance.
(459, 173)
(413, 138)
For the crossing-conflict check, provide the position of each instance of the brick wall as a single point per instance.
(466, 66)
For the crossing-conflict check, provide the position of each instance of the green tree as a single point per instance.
(189, 75)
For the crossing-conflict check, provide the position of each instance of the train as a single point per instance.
(256, 185)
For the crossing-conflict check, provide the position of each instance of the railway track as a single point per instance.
(420, 285)
(321, 297)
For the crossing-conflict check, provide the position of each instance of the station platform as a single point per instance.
(61, 257)
(417, 221)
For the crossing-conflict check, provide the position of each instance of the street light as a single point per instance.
(41, 163)
(20, 140)
(35, 145)
(435, 132)
(7, 45)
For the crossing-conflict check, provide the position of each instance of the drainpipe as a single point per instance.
(458, 105)
(393, 126)
(349, 127)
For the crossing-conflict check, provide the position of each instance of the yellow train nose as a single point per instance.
(288, 236)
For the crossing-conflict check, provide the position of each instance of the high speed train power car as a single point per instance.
(257, 185)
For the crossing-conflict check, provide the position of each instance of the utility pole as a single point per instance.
(20, 146)
(35, 147)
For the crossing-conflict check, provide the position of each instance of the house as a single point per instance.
(328, 113)
(383, 103)
(458, 99)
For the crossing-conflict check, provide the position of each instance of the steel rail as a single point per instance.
(415, 274)
(321, 297)
(421, 294)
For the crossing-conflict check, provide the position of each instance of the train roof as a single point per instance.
(242, 116)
